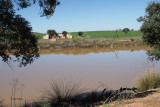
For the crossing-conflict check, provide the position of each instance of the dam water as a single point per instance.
(115, 69)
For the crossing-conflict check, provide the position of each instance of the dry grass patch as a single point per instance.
(60, 91)
(152, 100)
(149, 80)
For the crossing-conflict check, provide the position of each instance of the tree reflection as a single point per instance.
(23, 55)
(154, 54)
(16, 37)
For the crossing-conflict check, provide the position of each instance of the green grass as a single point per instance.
(108, 34)
(39, 35)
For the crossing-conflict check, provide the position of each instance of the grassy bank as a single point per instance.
(88, 43)
(100, 34)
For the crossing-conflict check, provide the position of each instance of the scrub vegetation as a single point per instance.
(90, 43)
(149, 80)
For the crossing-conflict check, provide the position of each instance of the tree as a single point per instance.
(120, 30)
(51, 33)
(15, 31)
(80, 33)
(151, 29)
(47, 7)
(151, 24)
(126, 30)
(65, 33)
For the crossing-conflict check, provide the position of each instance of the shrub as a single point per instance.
(132, 39)
(80, 33)
(149, 80)
(65, 33)
(126, 30)
(51, 33)
(62, 91)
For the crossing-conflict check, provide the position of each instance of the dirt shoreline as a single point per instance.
(150, 100)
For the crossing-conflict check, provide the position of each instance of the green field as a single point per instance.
(39, 35)
(100, 34)
(108, 34)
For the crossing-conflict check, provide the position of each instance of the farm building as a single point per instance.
(57, 36)
(46, 37)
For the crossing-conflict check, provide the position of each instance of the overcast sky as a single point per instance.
(88, 15)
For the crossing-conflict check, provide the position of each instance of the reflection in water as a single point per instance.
(1, 102)
(23, 53)
(16, 93)
(89, 68)
(116, 54)
(154, 54)
(80, 51)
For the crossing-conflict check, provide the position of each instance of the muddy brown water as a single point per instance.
(91, 66)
